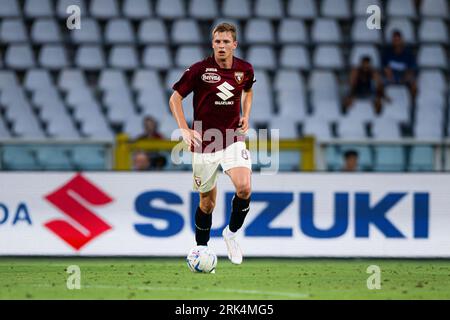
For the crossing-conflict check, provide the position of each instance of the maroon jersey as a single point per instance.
(217, 97)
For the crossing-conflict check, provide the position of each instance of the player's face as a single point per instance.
(223, 45)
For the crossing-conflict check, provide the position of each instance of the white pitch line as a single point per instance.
(225, 290)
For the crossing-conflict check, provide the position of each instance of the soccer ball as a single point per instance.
(202, 259)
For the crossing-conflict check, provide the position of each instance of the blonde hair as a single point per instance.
(225, 27)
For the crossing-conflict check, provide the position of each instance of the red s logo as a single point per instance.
(72, 199)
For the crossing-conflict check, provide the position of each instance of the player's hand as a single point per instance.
(243, 125)
(191, 137)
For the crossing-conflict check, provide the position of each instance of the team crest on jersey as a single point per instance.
(198, 181)
(239, 76)
(211, 77)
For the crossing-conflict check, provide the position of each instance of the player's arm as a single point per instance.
(176, 107)
(247, 99)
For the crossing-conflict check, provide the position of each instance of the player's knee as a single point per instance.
(207, 206)
(244, 191)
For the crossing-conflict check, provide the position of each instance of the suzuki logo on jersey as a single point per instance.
(73, 199)
(225, 94)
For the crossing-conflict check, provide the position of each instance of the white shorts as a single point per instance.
(205, 165)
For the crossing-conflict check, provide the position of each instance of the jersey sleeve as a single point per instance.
(250, 79)
(186, 84)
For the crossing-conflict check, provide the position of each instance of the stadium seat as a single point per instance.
(9, 9)
(404, 25)
(89, 33)
(53, 158)
(19, 158)
(173, 75)
(111, 79)
(157, 57)
(432, 81)
(38, 9)
(428, 129)
(400, 105)
(350, 129)
(19, 56)
(386, 130)
(362, 34)
(53, 56)
(104, 9)
(187, 55)
(4, 132)
(316, 127)
(291, 104)
(71, 78)
(326, 108)
(271, 9)
(123, 57)
(326, 31)
(238, 9)
(305, 9)
(89, 157)
(119, 31)
(290, 80)
(432, 56)
(262, 57)
(26, 126)
(434, 8)
(186, 31)
(336, 9)
(360, 7)
(259, 31)
(119, 105)
(287, 127)
(152, 31)
(285, 34)
(153, 101)
(170, 9)
(203, 9)
(62, 5)
(137, 9)
(389, 159)
(295, 56)
(401, 8)
(37, 78)
(145, 79)
(421, 159)
(328, 57)
(361, 110)
(90, 57)
(7, 79)
(433, 30)
(45, 31)
(359, 51)
(13, 30)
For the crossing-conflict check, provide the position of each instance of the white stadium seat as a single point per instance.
(259, 31)
(119, 31)
(137, 9)
(285, 34)
(305, 9)
(238, 9)
(8, 79)
(123, 57)
(37, 78)
(360, 32)
(434, 8)
(152, 31)
(401, 8)
(19, 57)
(187, 55)
(432, 81)
(9, 8)
(287, 127)
(433, 30)
(432, 56)
(112, 79)
(13, 30)
(291, 103)
(262, 57)
(170, 9)
(203, 9)
(62, 5)
(360, 7)
(386, 130)
(186, 31)
(295, 56)
(71, 78)
(323, 82)
(271, 9)
(316, 127)
(104, 9)
(328, 57)
(158, 57)
(349, 129)
(326, 31)
(336, 9)
(89, 33)
(45, 30)
(144, 79)
(359, 51)
(289, 79)
(53, 56)
(38, 9)
(90, 57)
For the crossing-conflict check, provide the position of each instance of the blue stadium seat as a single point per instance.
(53, 158)
(421, 159)
(19, 158)
(137, 9)
(390, 158)
(89, 158)
(13, 30)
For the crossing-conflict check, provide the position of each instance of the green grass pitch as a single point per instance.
(170, 278)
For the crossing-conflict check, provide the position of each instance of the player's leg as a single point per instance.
(203, 216)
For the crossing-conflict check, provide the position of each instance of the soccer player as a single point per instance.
(219, 84)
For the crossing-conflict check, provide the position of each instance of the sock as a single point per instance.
(203, 224)
(240, 209)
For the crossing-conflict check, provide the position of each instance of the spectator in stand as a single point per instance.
(156, 160)
(141, 161)
(350, 161)
(365, 83)
(399, 63)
